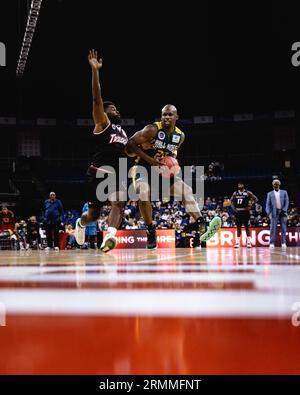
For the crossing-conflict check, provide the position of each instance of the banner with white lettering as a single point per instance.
(137, 238)
(260, 237)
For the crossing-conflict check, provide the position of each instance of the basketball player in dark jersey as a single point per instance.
(240, 201)
(151, 144)
(110, 142)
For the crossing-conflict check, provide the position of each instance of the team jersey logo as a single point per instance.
(176, 138)
(114, 138)
(161, 135)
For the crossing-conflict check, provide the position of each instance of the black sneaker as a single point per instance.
(151, 240)
(197, 226)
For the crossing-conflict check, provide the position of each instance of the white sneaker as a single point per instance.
(249, 245)
(271, 246)
(283, 246)
(237, 245)
(109, 243)
(47, 249)
(79, 233)
(56, 249)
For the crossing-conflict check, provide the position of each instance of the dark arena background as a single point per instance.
(225, 306)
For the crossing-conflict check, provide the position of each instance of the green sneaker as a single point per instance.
(109, 243)
(214, 226)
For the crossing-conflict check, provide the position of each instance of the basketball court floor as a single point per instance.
(169, 311)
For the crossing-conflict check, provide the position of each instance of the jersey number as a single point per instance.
(239, 201)
(160, 154)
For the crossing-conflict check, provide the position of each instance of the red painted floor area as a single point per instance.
(147, 345)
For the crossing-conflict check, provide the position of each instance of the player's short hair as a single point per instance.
(107, 103)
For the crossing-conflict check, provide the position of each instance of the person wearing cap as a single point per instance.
(276, 207)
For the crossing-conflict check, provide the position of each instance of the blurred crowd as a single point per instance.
(40, 232)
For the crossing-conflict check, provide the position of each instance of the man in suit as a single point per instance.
(276, 207)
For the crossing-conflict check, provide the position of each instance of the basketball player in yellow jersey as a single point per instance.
(162, 139)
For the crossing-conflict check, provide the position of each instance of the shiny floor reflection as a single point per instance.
(139, 312)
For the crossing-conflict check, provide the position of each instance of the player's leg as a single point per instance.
(48, 229)
(239, 223)
(180, 189)
(145, 206)
(114, 220)
(246, 224)
(93, 212)
(86, 218)
(56, 237)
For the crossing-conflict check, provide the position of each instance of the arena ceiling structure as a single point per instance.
(209, 60)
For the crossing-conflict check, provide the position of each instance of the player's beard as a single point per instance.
(115, 119)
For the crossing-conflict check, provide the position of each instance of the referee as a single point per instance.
(240, 204)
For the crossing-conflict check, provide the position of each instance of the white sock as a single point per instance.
(112, 230)
(249, 239)
(237, 240)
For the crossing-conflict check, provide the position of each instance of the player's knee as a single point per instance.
(144, 192)
(188, 192)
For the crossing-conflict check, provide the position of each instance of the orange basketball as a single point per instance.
(171, 166)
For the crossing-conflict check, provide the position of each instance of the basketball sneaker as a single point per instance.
(109, 243)
(79, 233)
(237, 245)
(151, 240)
(214, 226)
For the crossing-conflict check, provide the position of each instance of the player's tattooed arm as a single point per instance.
(140, 138)
(100, 118)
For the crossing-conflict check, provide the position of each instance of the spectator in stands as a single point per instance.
(7, 220)
(226, 202)
(225, 222)
(90, 231)
(71, 242)
(208, 203)
(20, 235)
(70, 218)
(293, 215)
(213, 204)
(52, 220)
(131, 224)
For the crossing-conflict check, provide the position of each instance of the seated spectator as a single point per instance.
(208, 203)
(71, 242)
(7, 220)
(226, 202)
(225, 222)
(70, 218)
(20, 235)
(213, 204)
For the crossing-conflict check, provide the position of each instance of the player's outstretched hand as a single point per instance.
(94, 62)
